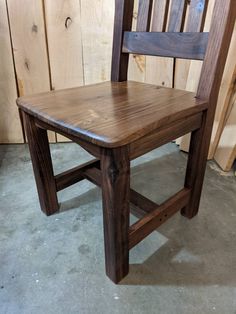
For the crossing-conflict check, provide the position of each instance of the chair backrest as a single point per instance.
(178, 35)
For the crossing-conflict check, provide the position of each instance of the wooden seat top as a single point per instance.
(112, 114)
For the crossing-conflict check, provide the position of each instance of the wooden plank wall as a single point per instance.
(10, 127)
(48, 44)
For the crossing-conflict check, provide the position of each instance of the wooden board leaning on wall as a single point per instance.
(226, 150)
(26, 18)
(63, 27)
(10, 126)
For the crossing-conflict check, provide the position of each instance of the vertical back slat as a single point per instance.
(123, 22)
(160, 13)
(144, 15)
(177, 15)
(159, 71)
(196, 16)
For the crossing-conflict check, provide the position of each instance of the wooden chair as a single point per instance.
(118, 121)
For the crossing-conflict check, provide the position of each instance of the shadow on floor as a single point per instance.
(195, 252)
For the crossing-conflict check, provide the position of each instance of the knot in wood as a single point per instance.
(68, 22)
(113, 173)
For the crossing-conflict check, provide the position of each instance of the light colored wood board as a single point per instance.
(226, 150)
(29, 47)
(227, 85)
(10, 126)
(159, 71)
(97, 19)
(63, 27)
(137, 63)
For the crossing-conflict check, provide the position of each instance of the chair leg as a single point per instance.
(115, 167)
(42, 165)
(198, 151)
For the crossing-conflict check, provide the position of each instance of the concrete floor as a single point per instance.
(56, 264)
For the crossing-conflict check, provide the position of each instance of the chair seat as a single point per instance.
(112, 114)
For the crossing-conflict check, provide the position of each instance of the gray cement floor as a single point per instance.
(56, 264)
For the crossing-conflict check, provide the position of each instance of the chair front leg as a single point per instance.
(115, 167)
(42, 165)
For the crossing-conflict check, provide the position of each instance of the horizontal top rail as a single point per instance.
(166, 44)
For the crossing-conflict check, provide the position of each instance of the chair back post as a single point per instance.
(220, 34)
(122, 23)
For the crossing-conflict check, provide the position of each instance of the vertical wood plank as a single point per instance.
(159, 71)
(10, 126)
(137, 63)
(97, 19)
(195, 21)
(29, 47)
(226, 150)
(144, 15)
(176, 15)
(160, 14)
(63, 27)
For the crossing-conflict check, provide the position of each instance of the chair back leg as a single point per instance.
(197, 160)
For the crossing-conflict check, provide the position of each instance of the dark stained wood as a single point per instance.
(42, 165)
(141, 201)
(175, 45)
(115, 166)
(196, 15)
(111, 114)
(143, 227)
(117, 121)
(164, 135)
(89, 147)
(123, 22)
(177, 15)
(91, 172)
(74, 175)
(219, 40)
(223, 20)
(192, 171)
(144, 15)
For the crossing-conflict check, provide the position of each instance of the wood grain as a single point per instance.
(176, 15)
(226, 151)
(42, 165)
(144, 15)
(162, 136)
(29, 47)
(159, 71)
(115, 166)
(10, 126)
(63, 27)
(174, 45)
(151, 221)
(112, 114)
(97, 19)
